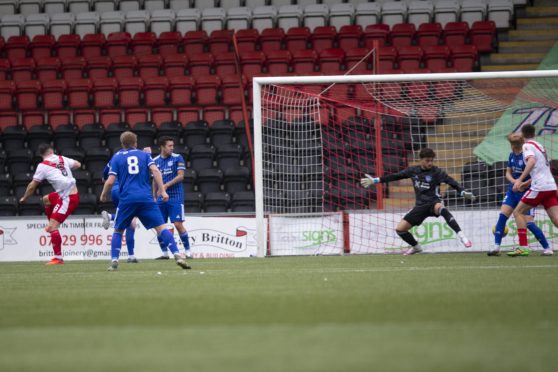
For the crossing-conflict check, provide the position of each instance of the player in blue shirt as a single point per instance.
(172, 168)
(133, 169)
(107, 217)
(515, 168)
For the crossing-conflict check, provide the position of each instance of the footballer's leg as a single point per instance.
(124, 216)
(402, 230)
(505, 213)
(131, 242)
(521, 222)
(537, 233)
(163, 208)
(177, 218)
(441, 210)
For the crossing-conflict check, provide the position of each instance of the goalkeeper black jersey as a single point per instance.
(426, 182)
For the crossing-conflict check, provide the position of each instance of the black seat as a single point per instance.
(65, 137)
(201, 157)
(358, 124)
(45, 188)
(236, 179)
(5, 184)
(243, 201)
(19, 161)
(183, 150)
(91, 136)
(13, 137)
(83, 180)
(146, 133)
(193, 202)
(209, 180)
(216, 202)
(8, 206)
(240, 133)
(3, 157)
(189, 182)
(221, 132)
(97, 183)
(195, 133)
(113, 132)
(87, 204)
(229, 155)
(20, 182)
(37, 135)
(32, 206)
(96, 159)
(171, 129)
(74, 153)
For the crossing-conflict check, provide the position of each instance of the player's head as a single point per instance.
(516, 141)
(128, 140)
(167, 145)
(427, 156)
(45, 150)
(528, 131)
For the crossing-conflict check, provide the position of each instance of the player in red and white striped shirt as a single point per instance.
(542, 190)
(57, 170)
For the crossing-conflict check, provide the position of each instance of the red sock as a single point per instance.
(48, 210)
(56, 241)
(522, 234)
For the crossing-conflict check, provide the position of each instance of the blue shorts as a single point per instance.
(115, 195)
(147, 212)
(513, 198)
(172, 210)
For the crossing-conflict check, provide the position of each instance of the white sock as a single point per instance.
(131, 257)
(59, 257)
(496, 247)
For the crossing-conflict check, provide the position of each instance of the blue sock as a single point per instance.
(538, 234)
(162, 245)
(185, 240)
(116, 245)
(500, 226)
(168, 241)
(130, 241)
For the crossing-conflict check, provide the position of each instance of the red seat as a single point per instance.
(68, 46)
(323, 37)
(402, 34)
(22, 69)
(117, 44)
(155, 91)
(48, 68)
(271, 39)
(464, 57)
(161, 115)
(246, 40)
(27, 94)
(225, 63)
(187, 114)
(387, 56)
(429, 34)
(251, 63)
(194, 42)
(8, 119)
(207, 87)
(483, 36)
(32, 118)
(124, 66)
(168, 43)
(180, 90)
(455, 33)
(137, 115)
(213, 113)
(175, 65)
(53, 94)
(98, 67)
(201, 64)
(109, 116)
(378, 32)
(92, 45)
(72, 68)
(444, 90)
(331, 61)
(236, 113)
(149, 65)
(220, 41)
(58, 118)
(83, 117)
(104, 92)
(78, 92)
(304, 61)
(278, 62)
(297, 38)
(41, 46)
(357, 57)
(7, 90)
(16, 47)
(129, 91)
(233, 89)
(143, 43)
(349, 37)
(4, 68)
(409, 57)
(436, 57)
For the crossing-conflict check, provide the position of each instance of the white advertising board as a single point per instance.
(83, 238)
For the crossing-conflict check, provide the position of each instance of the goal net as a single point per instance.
(316, 137)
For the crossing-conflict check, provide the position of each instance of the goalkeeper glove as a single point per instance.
(368, 180)
(468, 195)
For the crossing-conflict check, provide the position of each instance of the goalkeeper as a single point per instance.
(426, 180)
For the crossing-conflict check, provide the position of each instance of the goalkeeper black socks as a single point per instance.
(450, 220)
(407, 237)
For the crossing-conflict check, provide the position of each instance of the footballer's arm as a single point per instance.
(158, 179)
(179, 178)
(529, 165)
(30, 190)
(107, 187)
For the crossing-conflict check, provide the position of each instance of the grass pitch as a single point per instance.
(453, 312)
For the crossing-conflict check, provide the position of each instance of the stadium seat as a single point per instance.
(13, 136)
(209, 180)
(207, 87)
(221, 132)
(83, 180)
(394, 12)
(229, 155)
(92, 45)
(315, 15)
(446, 11)
(19, 161)
(247, 40)
(146, 132)
(36, 24)
(254, 3)
(32, 206)
(16, 48)
(98, 67)
(193, 202)
(90, 135)
(473, 11)
(73, 153)
(136, 21)
(483, 36)
(436, 57)
(168, 43)
(304, 61)
(102, 6)
(232, 89)
(243, 201)
(225, 64)
(387, 56)
(219, 41)
(9, 7)
(213, 19)
(23, 69)
(409, 57)
(240, 133)
(201, 64)
(175, 65)
(41, 46)
(129, 91)
(5, 180)
(87, 23)
(82, 118)
(236, 179)
(367, 14)
(87, 204)
(323, 38)
(464, 57)
(214, 113)
(97, 158)
(194, 42)
(428, 34)
(349, 37)
(171, 129)
(195, 133)
(162, 21)
(357, 56)
(12, 25)
(143, 43)
(263, 17)
(402, 34)
(379, 32)
(155, 91)
(32, 118)
(340, 15)
(201, 157)
(176, 5)
(78, 92)
(160, 115)
(420, 12)
(37, 135)
(189, 181)
(124, 66)
(216, 202)
(187, 20)
(59, 117)
(47, 69)
(331, 61)
(251, 63)
(104, 92)
(4, 68)
(27, 95)
(128, 5)
(117, 44)
(109, 116)
(455, 33)
(61, 23)
(297, 38)
(111, 22)
(278, 62)
(73, 67)
(7, 90)
(65, 136)
(238, 18)
(149, 65)
(78, 6)
(271, 39)
(180, 90)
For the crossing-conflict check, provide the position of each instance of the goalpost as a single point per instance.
(316, 136)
